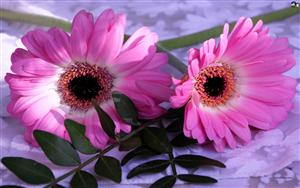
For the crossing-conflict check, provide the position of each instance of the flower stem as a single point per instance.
(85, 163)
(14, 16)
(101, 153)
(171, 157)
(198, 37)
(47, 21)
(173, 61)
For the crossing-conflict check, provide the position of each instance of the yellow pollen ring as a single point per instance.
(222, 71)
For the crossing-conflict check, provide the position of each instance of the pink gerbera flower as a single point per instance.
(58, 75)
(236, 84)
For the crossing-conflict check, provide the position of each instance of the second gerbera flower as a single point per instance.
(236, 84)
(58, 75)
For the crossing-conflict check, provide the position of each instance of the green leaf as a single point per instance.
(156, 139)
(125, 108)
(28, 170)
(58, 150)
(109, 167)
(107, 123)
(149, 167)
(175, 113)
(191, 178)
(140, 151)
(176, 125)
(194, 161)
(130, 144)
(165, 182)
(182, 141)
(83, 179)
(79, 140)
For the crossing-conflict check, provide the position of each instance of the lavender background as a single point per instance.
(272, 159)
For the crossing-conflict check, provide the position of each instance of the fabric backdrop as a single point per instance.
(272, 159)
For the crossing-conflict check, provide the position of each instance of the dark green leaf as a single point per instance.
(109, 167)
(165, 182)
(58, 150)
(191, 178)
(182, 141)
(156, 139)
(140, 151)
(28, 170)
(175, 113)
(107, 123)
(10, 186)
(194, 161)
(79, 140)
(125, 108)
(83, 179)
(176, 125)
(131, 143)
(149, 167)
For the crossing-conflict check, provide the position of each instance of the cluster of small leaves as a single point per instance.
(155, 142)
(143, 141)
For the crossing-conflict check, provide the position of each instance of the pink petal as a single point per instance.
(147, 106)
(178, 101)
(139, 51)
(20, 54)
(114, 40)
(230, 139)
(253, 109)
(95, 45)
(193, 54)
(157, 61)
(82, 27)
(191, 118)
(219, 144)
(154, 89)
(136, 37)
(33, 66)
(94, 130)
(35, 41)
(52, 122)
(39, 109)
(58, 47)
(207, 124)
(194, 68)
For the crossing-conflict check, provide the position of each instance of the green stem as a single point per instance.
(101, 153)
(79, 167)
(198, 37)
(173, 61)
(14, 16)
(171, 157)
(47, 21)
(164, 45)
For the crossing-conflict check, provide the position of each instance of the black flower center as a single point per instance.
(85, 87)
(81, 82)
(214, 86)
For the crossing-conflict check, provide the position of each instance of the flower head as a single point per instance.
(236, 84)
(58, 75)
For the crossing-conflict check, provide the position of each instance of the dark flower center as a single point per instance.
(82, 82)
(84, 87)
(214, 86)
